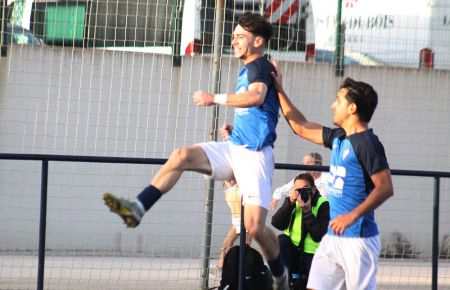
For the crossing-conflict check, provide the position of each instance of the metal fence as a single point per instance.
(45, 159)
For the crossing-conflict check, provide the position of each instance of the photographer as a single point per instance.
(304, 218)
(320, 180)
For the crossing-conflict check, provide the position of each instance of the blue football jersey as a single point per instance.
(354, 159)
(255, 126)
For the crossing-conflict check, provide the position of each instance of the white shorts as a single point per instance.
(252, 170)
(345, 263)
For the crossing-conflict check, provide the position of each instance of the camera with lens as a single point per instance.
(305, 193)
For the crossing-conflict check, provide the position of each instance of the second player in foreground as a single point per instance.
(359, 181)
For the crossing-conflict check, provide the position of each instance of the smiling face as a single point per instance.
(246, 46)
(342, 108)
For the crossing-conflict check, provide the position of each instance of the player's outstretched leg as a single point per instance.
(191, 158)
(128, 210)
(180, 160)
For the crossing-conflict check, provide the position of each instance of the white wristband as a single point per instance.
(220, 99)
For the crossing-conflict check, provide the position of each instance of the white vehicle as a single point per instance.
(399, 33)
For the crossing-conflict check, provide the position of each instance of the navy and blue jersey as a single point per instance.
(354, 159)
(255, 126)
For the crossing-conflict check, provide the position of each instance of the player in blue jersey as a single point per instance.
(359, 181)
(246, 156)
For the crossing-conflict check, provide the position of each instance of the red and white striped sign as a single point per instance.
(282, 11)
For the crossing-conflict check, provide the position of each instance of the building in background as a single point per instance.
(396, 33)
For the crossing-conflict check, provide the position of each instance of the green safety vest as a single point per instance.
(295, 231)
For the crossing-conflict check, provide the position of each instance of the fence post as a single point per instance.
(218, 31)
(242, 239)
(435, 245)
(42, 225)
(339, 49)
(3, 21)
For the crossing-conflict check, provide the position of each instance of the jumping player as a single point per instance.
(246, 156)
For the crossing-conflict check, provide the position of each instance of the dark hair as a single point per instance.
(363, 96)
(256, 24)
(306, 177)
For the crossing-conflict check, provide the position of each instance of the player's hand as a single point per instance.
(339, 224)
(276, 75)
(273, 204)
(225, 131)
(203, 98)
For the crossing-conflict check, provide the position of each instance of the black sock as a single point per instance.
(276, 267)
(149, 196)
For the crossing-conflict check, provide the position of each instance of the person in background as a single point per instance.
(303, 218)
(233, 199)
(320, 180)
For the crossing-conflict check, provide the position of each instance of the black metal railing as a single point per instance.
(45, 159)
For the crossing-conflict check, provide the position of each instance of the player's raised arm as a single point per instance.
(253, 97)
(296, 120)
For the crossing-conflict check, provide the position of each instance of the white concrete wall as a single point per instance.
(101, 103)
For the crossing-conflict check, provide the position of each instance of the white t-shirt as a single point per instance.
(321, 184)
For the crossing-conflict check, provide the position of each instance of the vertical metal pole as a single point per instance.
(207, 238)
(218, 31)
(339, 49)
(42, 225)
(218, 50)
(3, 22)
(435, 242)
(242, 239)
(177, 14)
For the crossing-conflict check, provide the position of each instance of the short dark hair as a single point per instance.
(306, 177)
(363, 96)
(256, 24)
